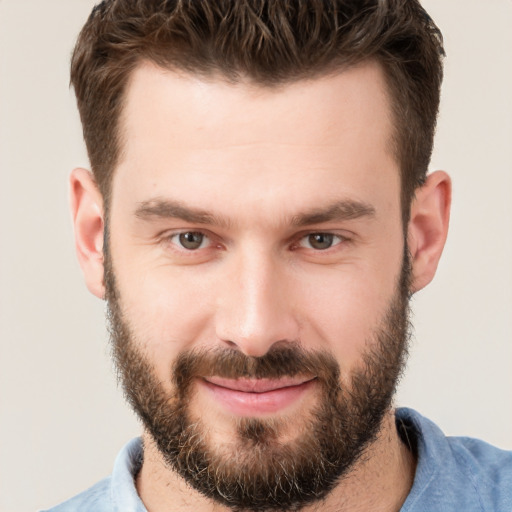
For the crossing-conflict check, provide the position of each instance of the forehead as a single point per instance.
(194, 102)
(181, 130)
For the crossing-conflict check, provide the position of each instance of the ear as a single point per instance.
(428, 227)
(88, 221)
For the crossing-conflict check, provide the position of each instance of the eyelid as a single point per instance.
(205, 242)
(343, 239)
(215, 241)
(167, 237)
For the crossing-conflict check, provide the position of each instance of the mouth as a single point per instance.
(256, 397)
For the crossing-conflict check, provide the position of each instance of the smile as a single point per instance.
(254, 397)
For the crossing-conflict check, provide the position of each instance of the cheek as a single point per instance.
(167, 313)
(338, 319)
(344, 310)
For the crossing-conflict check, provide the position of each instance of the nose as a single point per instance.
(255, 304)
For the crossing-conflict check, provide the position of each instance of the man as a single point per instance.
(257, 217)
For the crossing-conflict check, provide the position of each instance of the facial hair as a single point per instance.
(258, 470)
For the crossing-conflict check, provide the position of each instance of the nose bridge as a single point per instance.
(254, 310)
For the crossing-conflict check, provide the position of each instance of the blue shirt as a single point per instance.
(453, 474)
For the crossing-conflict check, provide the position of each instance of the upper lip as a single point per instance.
(257, 385)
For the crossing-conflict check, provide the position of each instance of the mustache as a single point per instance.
(290, 361)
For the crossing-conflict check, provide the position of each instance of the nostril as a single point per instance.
(256, 348)
(230, 344)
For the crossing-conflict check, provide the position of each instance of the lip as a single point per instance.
(255, 397)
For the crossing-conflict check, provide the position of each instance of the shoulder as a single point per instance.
(487, 467)
(456, 473)
(116, 493)
(96, 498)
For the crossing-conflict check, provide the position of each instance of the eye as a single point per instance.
(190, 240)
(320, 241)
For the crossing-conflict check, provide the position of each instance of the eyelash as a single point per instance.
(335, 239)
(332, 236)
(183, 233)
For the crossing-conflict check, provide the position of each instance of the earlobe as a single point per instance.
(428, 227)
(88, 221)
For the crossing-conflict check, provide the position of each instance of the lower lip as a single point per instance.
(241, 403)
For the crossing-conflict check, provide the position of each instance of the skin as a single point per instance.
(256, 160)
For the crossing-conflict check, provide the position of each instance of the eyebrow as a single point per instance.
(345, 209)
(159, 208)
(171, 209)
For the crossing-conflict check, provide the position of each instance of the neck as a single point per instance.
(379, 482)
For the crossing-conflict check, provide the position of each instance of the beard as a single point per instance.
(258, 469)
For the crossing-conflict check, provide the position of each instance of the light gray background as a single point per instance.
(62, 420)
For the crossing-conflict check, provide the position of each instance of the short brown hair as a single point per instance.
(269, 42)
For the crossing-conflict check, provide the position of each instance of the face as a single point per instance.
(256, 277)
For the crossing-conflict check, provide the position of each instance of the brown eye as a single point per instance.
(191, 240)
